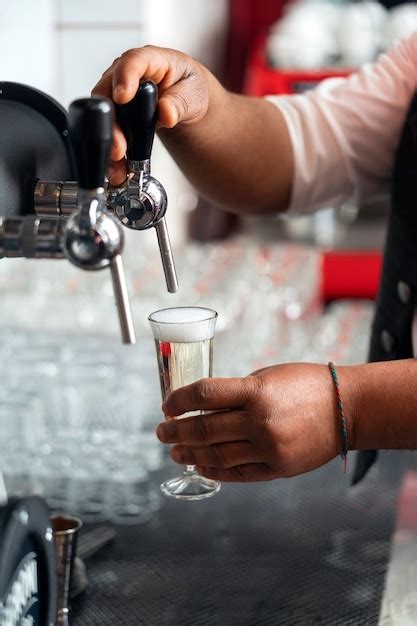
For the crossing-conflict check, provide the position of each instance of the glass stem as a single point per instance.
(190, 469)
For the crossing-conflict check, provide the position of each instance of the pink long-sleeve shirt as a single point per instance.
(345, 132)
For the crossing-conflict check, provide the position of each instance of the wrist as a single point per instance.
(218, 96)
(374, 405)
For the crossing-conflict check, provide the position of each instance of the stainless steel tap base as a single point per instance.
(94, 240)
(31, 237)
(55, 198)
(135, 167)
(139, 204)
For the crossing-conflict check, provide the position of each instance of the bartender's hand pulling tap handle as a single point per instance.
(137, 119)
(93, 238)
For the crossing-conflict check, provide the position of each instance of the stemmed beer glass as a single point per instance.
(184, 348)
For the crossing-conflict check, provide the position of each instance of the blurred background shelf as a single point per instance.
(261, 79)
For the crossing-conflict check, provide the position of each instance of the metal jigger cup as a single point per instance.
(65, 531)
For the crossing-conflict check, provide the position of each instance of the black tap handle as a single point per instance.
(137, 119)
(91, 136)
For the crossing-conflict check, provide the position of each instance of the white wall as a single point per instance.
(197, 27)
(91, 34)
(28, 43)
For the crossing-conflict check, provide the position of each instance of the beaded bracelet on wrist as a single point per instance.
(343, 421)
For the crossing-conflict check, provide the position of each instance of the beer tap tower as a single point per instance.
(82, 220)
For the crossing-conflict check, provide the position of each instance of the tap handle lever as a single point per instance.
(93, 239)
(91, 136)
(137, 119)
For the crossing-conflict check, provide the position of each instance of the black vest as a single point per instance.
(397, 295)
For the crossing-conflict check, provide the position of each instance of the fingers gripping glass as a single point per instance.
(184, 348)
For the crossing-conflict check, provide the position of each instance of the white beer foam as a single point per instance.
(183, 324)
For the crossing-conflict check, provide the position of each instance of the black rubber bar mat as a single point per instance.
(303, 551)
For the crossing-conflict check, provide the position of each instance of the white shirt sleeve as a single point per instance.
(345, 132)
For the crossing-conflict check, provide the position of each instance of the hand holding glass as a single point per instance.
(184, 348)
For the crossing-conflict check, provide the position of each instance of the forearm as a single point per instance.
(239, 155)
(381, 404)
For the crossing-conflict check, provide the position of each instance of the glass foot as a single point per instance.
(190, 486)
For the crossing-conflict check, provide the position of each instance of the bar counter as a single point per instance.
(298, 552)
